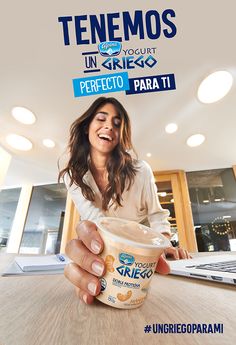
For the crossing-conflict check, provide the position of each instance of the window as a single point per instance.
(44, 222)
(213, 201)
(8, 203)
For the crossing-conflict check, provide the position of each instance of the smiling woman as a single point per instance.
(103, 179)
(99, 142)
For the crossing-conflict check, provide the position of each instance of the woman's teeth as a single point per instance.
(105, 137)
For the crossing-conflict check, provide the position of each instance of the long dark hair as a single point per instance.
(120, 166)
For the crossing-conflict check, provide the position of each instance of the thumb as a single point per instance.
(162, 266)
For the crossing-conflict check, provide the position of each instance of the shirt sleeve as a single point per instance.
(157, 216)
(86, 208)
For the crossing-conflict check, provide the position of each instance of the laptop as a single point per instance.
(217, 268)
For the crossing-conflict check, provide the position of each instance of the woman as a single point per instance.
(104, 180)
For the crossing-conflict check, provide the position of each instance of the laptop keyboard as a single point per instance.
(226, 266)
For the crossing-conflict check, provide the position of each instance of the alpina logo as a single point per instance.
(126, 259)
(110, 48)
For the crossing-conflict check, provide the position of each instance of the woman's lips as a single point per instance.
(105, 136)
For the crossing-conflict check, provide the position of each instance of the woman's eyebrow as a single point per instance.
(102, 112)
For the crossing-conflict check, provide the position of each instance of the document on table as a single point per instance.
(37, 265)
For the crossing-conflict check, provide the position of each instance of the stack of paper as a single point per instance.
(37, 264)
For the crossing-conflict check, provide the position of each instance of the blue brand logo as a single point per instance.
(126, 259)
(111, 48)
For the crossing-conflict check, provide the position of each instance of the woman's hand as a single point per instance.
(87, 266)
(176, 253)
(171, 252)
(162, 266)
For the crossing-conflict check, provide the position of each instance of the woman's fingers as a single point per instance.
(82, 279)
(87, 232)
(84, 296)
(177, 253)
(81, 256)
(162, 266)
(172, 252)
(86, 266)
(184, 254)
(188, 256)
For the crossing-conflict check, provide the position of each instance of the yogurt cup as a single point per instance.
(131, 252)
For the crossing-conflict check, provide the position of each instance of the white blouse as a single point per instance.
(140, 203)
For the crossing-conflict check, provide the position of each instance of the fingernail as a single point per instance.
(97, 267)
(92, 288)
(96, 246)
(85, 298)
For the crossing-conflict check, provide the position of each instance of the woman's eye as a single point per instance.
(101, 119)
(117, 123)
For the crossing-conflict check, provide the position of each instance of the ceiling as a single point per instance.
(37, 69)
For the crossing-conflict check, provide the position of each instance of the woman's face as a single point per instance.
(104, 130)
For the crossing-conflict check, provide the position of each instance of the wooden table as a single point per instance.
(44, 310)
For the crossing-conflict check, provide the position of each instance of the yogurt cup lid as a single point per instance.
(132, 233)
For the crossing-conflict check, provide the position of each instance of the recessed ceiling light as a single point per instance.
(49, 143)
(23, 115)
(148, 154)
(18, 142)
(215, 86)
(195, 140)
(171, 128)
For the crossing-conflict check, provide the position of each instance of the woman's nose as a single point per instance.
(109, 125)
